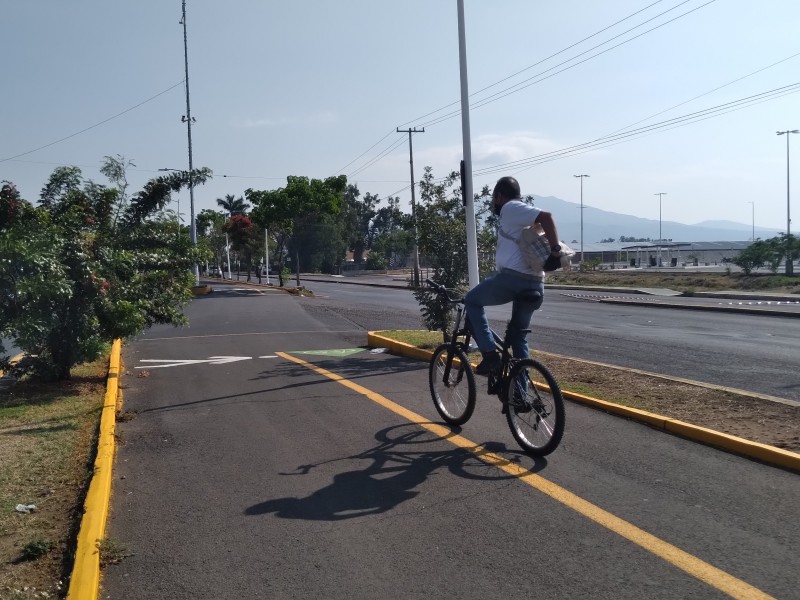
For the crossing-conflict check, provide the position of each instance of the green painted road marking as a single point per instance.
(341, 352)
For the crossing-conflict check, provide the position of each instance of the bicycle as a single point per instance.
(531, 397)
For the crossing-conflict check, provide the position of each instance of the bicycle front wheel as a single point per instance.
(452, 384)
(535, 412)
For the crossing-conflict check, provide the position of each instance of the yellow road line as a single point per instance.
(709, 574)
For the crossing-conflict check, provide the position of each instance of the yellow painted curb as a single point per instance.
(85, 581)
(201, 290)
(723, 441)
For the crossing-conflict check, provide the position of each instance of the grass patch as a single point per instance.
(112, 552)
(36, 549)
(47, 441)
(427, 340)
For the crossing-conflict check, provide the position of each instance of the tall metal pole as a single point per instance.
(472, 232)
(415, 279)
(658, 251)
(789, 265)
(188, 120)
(581, 178)
(753, 218)
(266, 253)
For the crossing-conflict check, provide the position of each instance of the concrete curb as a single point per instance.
(85, 581)
(736, 445)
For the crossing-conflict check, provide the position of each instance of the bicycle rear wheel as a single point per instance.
(535, 412)
(454, 395)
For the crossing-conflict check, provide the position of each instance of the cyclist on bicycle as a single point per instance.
(512, 275)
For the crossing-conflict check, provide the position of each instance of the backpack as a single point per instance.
(536, 250)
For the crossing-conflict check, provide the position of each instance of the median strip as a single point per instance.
(754, 450)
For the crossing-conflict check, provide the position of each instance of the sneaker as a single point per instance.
(491, 363)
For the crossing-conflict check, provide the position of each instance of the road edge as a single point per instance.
(762, 452)
(85, 580)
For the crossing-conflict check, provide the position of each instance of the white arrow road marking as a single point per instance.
(212, 360)
(269, 356)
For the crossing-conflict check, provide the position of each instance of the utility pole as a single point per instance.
(581, 178)
(753, 218)
(415, 279)
(188, 119)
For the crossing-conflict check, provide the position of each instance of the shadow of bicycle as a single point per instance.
(395, 473)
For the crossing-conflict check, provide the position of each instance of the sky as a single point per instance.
(318, 88)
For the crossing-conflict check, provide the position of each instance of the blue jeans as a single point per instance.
(502, 288)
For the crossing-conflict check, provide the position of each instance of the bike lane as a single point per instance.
(262, 477)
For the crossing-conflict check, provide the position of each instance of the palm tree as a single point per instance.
(233, 206)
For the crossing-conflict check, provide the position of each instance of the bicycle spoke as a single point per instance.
(535, 412)
(453, 395)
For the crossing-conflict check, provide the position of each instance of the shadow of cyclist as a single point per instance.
(393, 477)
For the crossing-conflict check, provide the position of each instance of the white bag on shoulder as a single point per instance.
(536, 250)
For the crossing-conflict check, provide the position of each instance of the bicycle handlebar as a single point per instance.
(443, 291)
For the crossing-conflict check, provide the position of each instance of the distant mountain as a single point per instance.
(601, 224)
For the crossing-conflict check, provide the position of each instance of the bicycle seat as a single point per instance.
(530, 297)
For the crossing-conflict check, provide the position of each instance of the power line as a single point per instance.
(93, 126)
(578, 43)
(511, 89)
(519, 86)
(613, 140)
(716, 89)
(383, 154)
(391, 131)
(673, 123)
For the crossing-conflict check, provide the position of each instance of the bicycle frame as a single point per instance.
(503, 344)
(536, 420)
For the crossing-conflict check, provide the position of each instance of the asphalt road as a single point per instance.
(264, 477)
(737, 349)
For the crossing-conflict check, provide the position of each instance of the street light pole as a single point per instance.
(658, 252)
(188, 119)
(789, 265)
(581, 178)
(178, 219)
(466, 141)
(753, 218)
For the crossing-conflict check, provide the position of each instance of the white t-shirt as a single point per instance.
(514, 216)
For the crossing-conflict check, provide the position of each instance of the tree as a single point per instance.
(210, 227)
(284, 211)
(769, 252)
(356, 216)
(80, 270)
(442, 238)
(233, 205)
(391, 234)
